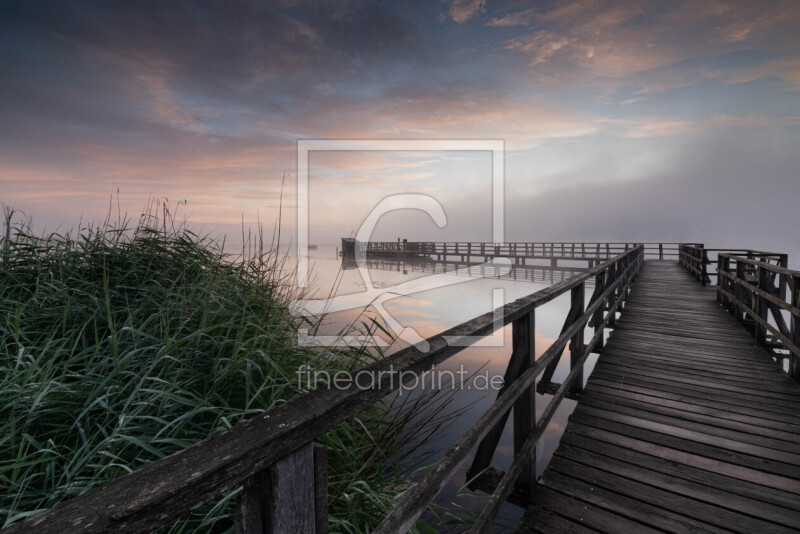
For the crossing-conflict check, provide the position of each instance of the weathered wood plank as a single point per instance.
(694, 412)
(685, 424)
(321, 490)
(698, 512)
(614, 501)
(748, 498)
(587, 514)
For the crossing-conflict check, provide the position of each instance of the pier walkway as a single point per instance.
(685, 425)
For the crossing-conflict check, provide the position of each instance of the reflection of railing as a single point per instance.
(756, 291)
(516, 272)
(284, 476)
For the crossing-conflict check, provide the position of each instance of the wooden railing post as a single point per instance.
(794, 361)
(761, 304)
(523, 339)
(288, 496)
(611, 276)
(740, 292)
(577, 295)
(597, 318)
(697, 264)
(522, 357)
(783, 280)
(724, 265)
(321, 490)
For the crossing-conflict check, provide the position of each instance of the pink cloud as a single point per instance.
(463, 10)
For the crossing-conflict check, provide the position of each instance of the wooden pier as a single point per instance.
(685, 425)
(520, 253)
(688, 422)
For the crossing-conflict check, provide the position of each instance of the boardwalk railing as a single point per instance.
(612, 283)
(283, 475)
(558, 250)
(766, 298)
(697, 259)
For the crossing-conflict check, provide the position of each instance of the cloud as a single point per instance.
(460, 115)
(659, 128)
(463, 10)
(644, 127)
(583, 40)
(787, 70)
(755, 119)
(519, 18)
(198, 100)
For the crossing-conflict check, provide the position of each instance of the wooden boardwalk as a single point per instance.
(685, 425)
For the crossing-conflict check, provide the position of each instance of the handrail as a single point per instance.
(414, 503)
(158, 494)
(755, 291)
(695, 259)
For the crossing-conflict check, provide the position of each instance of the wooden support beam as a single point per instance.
(741, 292)
(281, 498)
(761, 305)
(522, 357)
(794, 361)
(321, 489)
(523, 341)
(597, 318)
(576, 345)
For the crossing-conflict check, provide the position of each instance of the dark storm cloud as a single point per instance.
(220, 50)
(182, 94)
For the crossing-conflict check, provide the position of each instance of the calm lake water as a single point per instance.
(434, 310)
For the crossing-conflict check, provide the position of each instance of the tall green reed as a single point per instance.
(124, 343)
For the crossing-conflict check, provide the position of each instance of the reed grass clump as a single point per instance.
(125, 343)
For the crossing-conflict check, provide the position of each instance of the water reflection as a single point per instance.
(517, 273)
(434, 310)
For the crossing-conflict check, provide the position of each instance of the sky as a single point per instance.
(625, 120)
